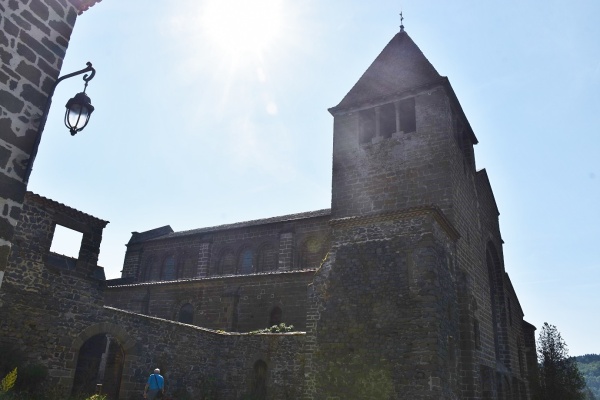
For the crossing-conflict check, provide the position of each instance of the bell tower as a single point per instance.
(397, 134)
(388, 315)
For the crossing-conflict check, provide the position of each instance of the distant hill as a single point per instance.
(589, 365)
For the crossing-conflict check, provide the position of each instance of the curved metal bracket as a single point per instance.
(44, 116)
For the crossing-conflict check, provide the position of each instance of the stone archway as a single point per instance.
(100, 352)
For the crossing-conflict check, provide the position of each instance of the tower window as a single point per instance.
(406, 113)
(367, 125)
(384, 121)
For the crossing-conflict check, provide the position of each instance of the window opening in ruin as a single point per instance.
(186, 314)
(66, 242)
(246, 261)
(169, 272)
(259, 381)
(275, 317)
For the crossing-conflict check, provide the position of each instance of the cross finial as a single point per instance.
(401, 24)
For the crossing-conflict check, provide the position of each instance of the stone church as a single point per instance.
(398, 291)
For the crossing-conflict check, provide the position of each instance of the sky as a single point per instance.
(214, 111)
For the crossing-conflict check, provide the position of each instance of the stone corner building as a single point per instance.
(397, 292)
(34, 36)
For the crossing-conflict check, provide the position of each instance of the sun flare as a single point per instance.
(243, 28)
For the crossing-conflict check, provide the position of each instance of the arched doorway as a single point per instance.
(100, 361)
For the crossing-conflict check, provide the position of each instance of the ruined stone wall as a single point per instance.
(233, 303)
(52, 307)
(43, 306)
(34, 38)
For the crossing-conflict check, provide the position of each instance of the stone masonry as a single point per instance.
(399, 291)
(34, 36)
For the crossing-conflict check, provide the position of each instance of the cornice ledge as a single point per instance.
(435, 212)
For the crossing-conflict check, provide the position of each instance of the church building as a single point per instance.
(398, 291)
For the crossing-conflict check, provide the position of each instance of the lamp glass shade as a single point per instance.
(79, 110)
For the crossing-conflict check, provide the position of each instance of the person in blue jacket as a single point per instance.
(155, 384)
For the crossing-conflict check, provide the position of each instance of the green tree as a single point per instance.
(560, 378)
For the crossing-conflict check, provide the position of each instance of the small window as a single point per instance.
(66, 242)
(406, 111)
(387, 121)
(186, 314)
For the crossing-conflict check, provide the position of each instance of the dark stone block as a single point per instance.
(40, 9)
(71, 16)
(48, 69)
(4, 157)
(57, 7)
(63, 28)
(35, 21)
(34, 96)
(22, 23)
(4, 78)
(11, 102)
(29, 72)
(56, 49)
(13, 5)
(11, 189)
(26, 52)
(10, 28)
(36, 46)
(5, 56)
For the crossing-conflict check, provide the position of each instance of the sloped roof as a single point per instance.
(166, 231)
(401, 66)
(64, 209)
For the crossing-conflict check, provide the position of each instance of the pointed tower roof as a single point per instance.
(401, 66)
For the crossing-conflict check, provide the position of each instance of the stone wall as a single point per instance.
(232, 303)
(35, 36)
(293, 242)
(52, 307)
(384, 314)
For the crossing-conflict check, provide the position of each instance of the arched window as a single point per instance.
(169, 273)
(267, 258)
(275, 317)
(186, 314)
(246, 264)
(259, 380)
(226, 263)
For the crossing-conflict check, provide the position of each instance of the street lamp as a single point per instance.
(78, 112)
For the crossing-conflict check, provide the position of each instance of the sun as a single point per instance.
(243, 28)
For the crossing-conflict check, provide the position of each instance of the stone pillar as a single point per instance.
(286, 251)
(204, 259)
